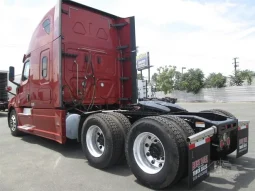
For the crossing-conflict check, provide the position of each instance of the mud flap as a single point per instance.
(242, 138)
(199, 161)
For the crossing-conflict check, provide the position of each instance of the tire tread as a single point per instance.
(175, 133)
(181, 144)
(116, 136)
(123, 120)
(181, 124)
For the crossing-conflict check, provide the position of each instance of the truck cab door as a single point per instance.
(24, 111)
(24, 89)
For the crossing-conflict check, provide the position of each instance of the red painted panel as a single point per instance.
(41, 88)
(55, 75)
(89, 35)
(50, 123)
(18, 110)
(86, 28)
(25, 120)
(23, 92)
(40, 37)
(45, 92)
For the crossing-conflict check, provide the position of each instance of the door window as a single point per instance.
(25, 74)
(44, 66)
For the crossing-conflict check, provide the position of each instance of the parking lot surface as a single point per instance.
(32, 163)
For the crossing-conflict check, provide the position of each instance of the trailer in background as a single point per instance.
(147, 92)
(13, 86)
(3, 93)
(6, 95)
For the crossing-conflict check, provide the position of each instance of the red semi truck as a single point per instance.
(79, 82)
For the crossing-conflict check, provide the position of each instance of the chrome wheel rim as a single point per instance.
(95, 141)
(149, 153)
(13, 123)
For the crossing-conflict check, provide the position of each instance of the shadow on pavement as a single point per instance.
(241, 174)
(120, 170)
(3, 114)
(72, 149)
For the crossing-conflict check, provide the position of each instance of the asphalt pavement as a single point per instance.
(31, 163)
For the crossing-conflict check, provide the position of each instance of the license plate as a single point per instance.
(242, 138)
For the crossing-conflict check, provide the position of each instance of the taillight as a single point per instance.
(228, 126)
(221, 144)
(228, 141)
(224, 140)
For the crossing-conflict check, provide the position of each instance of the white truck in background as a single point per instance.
(4, 83)
(3, 93)
(13, 86)
(144, 89)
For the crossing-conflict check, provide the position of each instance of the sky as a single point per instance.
(205, 34)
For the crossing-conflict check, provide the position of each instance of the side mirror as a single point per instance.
(8, 88)
(11, 73)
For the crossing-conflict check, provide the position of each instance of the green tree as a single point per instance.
(168, 79)
(236, 79)
(247, 75)
(215, 81)
(178, 81)
(154, 77)
(165, 78)
(192, 81)
(240, 76)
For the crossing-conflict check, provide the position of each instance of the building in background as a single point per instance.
(3, 93)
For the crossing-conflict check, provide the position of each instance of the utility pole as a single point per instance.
(183, 69)
(149, 68)
(235, 64)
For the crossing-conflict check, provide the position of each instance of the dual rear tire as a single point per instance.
(103, 139)
(156, 150)
(155, 147)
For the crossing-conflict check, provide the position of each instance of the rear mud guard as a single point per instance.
(199, 161)
(199, 156)
(242, 138)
